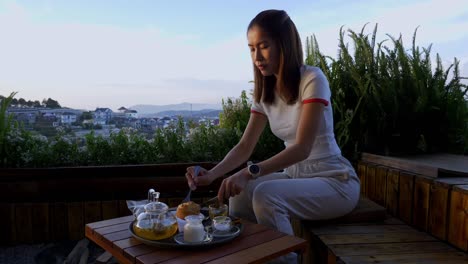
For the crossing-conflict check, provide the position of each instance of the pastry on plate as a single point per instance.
(188, 208)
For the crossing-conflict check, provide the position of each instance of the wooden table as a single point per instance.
(256, 244)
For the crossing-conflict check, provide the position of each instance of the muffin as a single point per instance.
(188, 208)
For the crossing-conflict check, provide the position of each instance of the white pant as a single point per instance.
(312, 189)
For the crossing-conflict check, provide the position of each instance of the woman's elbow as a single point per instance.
(303, 152)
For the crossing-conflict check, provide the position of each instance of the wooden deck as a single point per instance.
(434, 165)
(391, 241)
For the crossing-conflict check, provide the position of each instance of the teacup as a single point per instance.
(218, 210)
(222, 224)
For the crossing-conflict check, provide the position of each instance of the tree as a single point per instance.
(50, 103)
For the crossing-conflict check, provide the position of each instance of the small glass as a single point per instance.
(217, 210)
(222, 224)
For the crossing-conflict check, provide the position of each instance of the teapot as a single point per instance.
(155, 223)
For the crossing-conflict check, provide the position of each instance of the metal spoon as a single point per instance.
(187, 198)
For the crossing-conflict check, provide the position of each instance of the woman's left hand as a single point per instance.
(233, 185)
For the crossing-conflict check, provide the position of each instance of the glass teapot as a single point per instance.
(155, 223)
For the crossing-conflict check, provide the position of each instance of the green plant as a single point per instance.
(5, 125)
(235, 115)
(390, 101)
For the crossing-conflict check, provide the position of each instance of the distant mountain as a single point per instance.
(185, 113)
(154, 109)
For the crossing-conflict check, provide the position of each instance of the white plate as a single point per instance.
(179, 238)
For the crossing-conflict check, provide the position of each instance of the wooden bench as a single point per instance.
(368, 235)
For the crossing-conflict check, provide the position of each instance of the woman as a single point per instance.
(318, 183)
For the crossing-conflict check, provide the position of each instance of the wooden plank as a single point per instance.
(380, 185)
(359, 229)
(370, 186)
(114, 221)
(111, 229)
(111, 237)
(318, 251)
(104, 257)
(405, 204)
(40, 222)
(402, 164)
(390, 248)
(422, 188)
(110, 209)
(390, 237)
(116, 253)
(23, 222)
(264, 252)
(58, 221)
(393, 190)
(426, 258)
(450, 182)
(438, 211)
(75, 220)
(362, 177)
(92, 211)
(126, 243)
(138, 250)
(458, 217)
(461, 188)
(7, 224)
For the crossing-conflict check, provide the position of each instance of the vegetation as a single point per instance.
(49, 103)
(390, 101)
(386, 100)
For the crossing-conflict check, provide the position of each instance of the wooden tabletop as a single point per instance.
(256, 244)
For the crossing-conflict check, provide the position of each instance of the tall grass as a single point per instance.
(5, 125)
(390, 100)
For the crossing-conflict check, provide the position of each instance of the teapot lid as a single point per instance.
(154, 205)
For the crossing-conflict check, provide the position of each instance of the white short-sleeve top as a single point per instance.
(284, 118)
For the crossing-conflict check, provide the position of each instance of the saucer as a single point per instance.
(216, 233)
(179, 238)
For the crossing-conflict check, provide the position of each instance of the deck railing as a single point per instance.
(40, 205)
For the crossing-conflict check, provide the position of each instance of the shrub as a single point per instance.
(388, 100)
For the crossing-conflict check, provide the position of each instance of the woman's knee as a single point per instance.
(265, 196)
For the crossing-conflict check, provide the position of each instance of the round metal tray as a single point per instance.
(171, 242)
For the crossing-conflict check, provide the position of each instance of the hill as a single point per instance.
(155, 109)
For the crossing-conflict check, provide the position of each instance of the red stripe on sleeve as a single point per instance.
(256, 112)
(315, 100)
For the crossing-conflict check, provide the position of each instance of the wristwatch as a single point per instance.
(253, 169)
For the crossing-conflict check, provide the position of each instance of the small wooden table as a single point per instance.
(256, 244)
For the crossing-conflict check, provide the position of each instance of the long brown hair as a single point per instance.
(279, 27)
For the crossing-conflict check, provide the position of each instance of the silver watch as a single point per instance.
(253, 169)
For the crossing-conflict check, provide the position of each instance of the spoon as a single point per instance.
(187, 198)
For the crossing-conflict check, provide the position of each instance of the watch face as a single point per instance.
(254, 169)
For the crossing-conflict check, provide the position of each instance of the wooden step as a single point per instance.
(385, 242)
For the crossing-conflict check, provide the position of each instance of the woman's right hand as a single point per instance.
(204, 177)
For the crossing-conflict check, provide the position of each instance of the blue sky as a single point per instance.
(89, 54)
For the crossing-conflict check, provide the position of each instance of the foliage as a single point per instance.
(236, 115)
(5, 125)
(51, 103)
(388, 100)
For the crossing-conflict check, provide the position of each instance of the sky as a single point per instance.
(87, 54)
